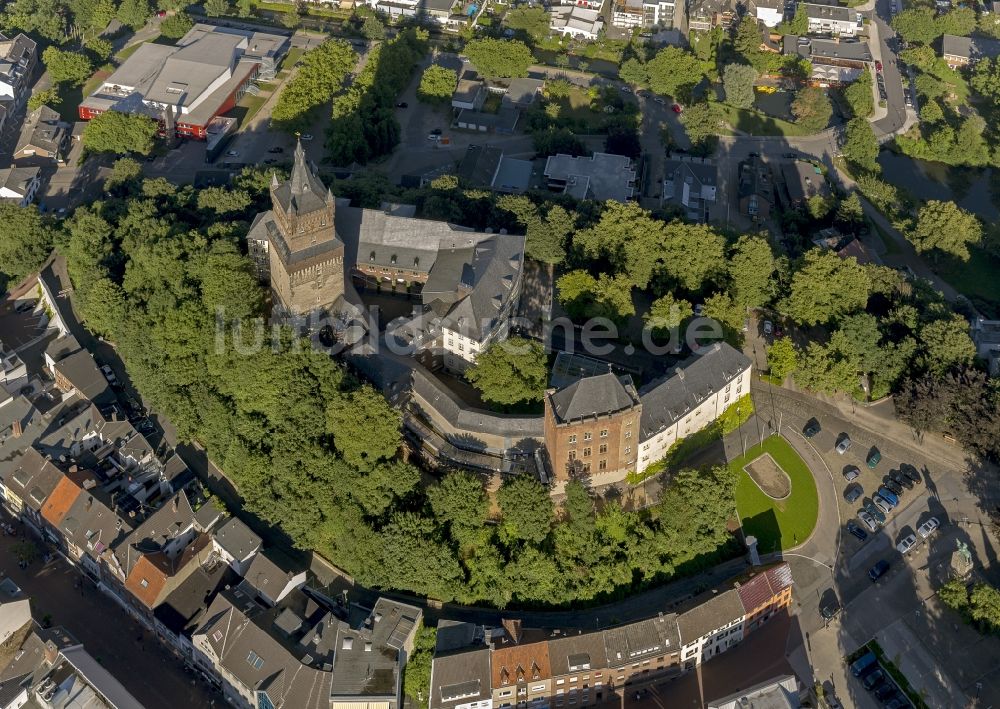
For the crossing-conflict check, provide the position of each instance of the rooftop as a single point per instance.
(599, 395)
(709, 615)
(970, 48)
(602, 176)
(237, 539)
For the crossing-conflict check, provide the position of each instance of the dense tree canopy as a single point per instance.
(320, 75)
(511, 371)
(738, 81)
(533, 21)
(25, 241)
(946, 228)
(674, 72)
(499, 58)
(437, 85)
(812, 108)
(825, 287)
(67, 67)
(120, 133)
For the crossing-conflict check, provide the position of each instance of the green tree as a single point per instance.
(633, 72)
(738, 81)
(460, 501)
(321, 73)
(417, 674)
(818, 206)
(499, 58)
(989, 24)
(369, 23)
(703, 122)
(751, 271)
(782, 358)
(25, 241)
(45, 97)
(674, 72)
(101, 14)
(526, 510)
(125, 171)
(954, 595)
(860, 145)
(43, 17)
(365, 427)
(510, 372)
(859, 97)
(945, 227)
(917, 25)
(64, 67)
(798, 25)
(985, 78)
(606, 296)
(119, 133)
(134, 13)
(827, 369)
(533, 21)
(947, 344)
(984, 606)
(812, 108)
(216, 8)
(850, 211)
(101, 49)
(826, 287)
(437, 85)
(103, 307)
(960, 21)
(244, 8)
(747, 38)
(223, 201)
(931, 112)
(176, 26)
(667, 313)
(557, 140)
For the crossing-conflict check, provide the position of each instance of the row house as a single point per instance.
(480, 668)
(646, 14)
(18, 57)
(834, 20)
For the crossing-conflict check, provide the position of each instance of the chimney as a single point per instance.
(513, 628)
(16, 428)
(51, 653)
(90, 501)
(175, 503)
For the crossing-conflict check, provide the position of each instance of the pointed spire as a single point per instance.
(300, 170)
(274, 181)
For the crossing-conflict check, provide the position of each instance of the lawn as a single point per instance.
(777, 524)
(977, 279)
(757, 123)
(290, 59)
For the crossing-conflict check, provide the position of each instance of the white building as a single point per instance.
(711, 628)
(19, 185)
(659, 13)
(577, 22)
(690, 184)
(770, 12)
(833, 19)
(628, 14)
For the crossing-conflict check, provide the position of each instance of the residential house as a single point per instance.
(485, 166)
(13, 373)
(710, 628)
(18, 56)
(802, 181)
(628, 14)
(586, 4)
(769, 12)
(371, 652)
(658, 14)
(986, 336)
(642, 651)
(834, 61)
(764, 594)
(835, 20)
(14, 615)
(44, 139)
(591, 427)
(690, 185)
(521, 675)
(963, 51)
(580, 670)
(705, 15)
(28, 485)
(778, 693)
(18, 185)
(470, 91)
(78, 372)
(600, 177)
(180, 614)
(756, 189)
(237, 544)
(271, 582)
(697, 393)
(576, 22)
(460, 672)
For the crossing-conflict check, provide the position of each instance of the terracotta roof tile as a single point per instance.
(755, 593)
(524, 663)
(146, 581)
(61, 499)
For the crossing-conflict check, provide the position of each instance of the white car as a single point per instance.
(906, 544)
(306, 138)
(882, 504)
(928, 528)
(844, 445)
(868, 520)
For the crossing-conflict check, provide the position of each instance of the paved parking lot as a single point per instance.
(19, 329)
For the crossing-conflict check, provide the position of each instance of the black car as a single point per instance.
(892, 485)
(872, 679)
(276, 150)
(811, 429)
(854, 529)
(911, 473)
(852, 493)
(897, 701)
(878, 571)
(402, 104)
(884, 691)
(901, 479)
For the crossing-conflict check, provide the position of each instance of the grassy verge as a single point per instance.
(777, 524)
(757, 123)
(888, 242)
(291, 58)
(732, 418)
(890, 667)
(976, 278)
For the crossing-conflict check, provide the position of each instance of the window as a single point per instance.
(603, 465)
(628, 434)
(572, 679)
(144, 583)
(726, 399)
(538, 688)
(586, 467)
(217, 636)
(586, 452)
(603, 448)
(628, 450)
(587, 436)
(628, 423)
(256, 660)
(560, 681)
(572, 439)
(604, 433)
(264, 701)
(572, 455)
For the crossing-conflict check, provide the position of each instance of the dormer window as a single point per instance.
(416, 261)
(371, 256)
(392, 259)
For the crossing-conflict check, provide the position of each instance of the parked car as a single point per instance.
(844, 444)
(855, 530)
(109, 374)
(876, 677)
(874, 511)
(659, 100)
(868, 521)
(928, 528)
(879, 570)
(811, 429)
(911, 473)
(885, 690)
(892, 485)
(878, 66)
(768, 327)
(888, 496)
(402, 104)
(306, 138)
(677, 108)
(874, 456)
(852, 472)
(233, 154)
(864, 664)
(897, 701)
(852, 493)
(276, 149)
(626, 90)
(901, 479)
(882, 505)
(906, 543)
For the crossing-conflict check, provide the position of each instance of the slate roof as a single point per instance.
(577, 652)
(91, 525)
(82, 372)
(100, 679)
(303, 192)
(173, 518)
(594, 396)
(971, 48)
(184, 607)
(266, 576)
(667, 400)
(479, 165)
(521, 663)
(829, 12)
(44, 130)
(237, 539)
(635, 641)
(709, 615)
(18, 179)
(33, 479)
(461, 678)
(490, 275)
(150, 575)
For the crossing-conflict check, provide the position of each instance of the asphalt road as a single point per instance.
(895, 104)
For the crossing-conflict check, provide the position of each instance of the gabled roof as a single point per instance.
(577, 652)
(709, 615)
(174, 518)
(44, 130)
(148, 581)
(489, 274)
(461, 678)
(303, 192)
(237, 539)
(61, 500)
(521, 663)
(594, 396)
(266, 576)
(81, 371)
(18, 179)
(34, 478)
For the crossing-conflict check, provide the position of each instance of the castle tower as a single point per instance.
(306, 256)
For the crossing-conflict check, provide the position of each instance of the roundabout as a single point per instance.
(776, 497)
